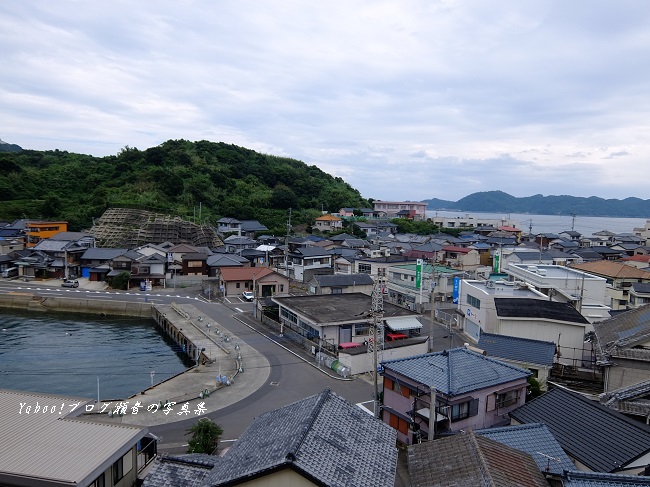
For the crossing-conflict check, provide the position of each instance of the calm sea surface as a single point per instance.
(586, 225)
(66, 353)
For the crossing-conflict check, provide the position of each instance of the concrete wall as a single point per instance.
(362, 362)
(75, 305)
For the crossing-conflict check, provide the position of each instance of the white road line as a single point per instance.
(240, 310)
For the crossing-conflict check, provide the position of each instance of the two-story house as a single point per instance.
(449, 391)
(619, 277)
(328, 223)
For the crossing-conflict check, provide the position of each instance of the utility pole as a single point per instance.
(286, 246)
(376, 344)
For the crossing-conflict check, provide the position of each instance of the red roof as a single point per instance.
(459, 250)
(509, 229)
(244, 273)
(638, 258)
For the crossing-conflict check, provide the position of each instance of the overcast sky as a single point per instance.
(404, 100)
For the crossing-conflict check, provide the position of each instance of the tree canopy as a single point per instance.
(195, 180)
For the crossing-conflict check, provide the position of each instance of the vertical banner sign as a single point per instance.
(456, 293)
(497, 264)
(418, 274)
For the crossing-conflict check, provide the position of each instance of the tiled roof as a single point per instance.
(456, 371)
(519, 349)
(253, 226)
(102, 253)
(322, 437)
(595, 479)
(624, 330)
(467, 459)
(537, 308)
(616, 270)
(226, 260)
(244, 273)
(641, 287)
(344, 280)
(328, 218)
(587, 430)
(310, 252)
(536, 440)
(180, 471)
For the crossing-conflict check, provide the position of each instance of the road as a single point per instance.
(291, 378)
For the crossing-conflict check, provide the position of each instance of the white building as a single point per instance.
(588, 293)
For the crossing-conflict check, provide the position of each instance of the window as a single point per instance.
(472, 301)
(398, 423)
(337, 290)
(365, 269)
(361, 329)
(507, 399)
(464, 410)
(99, 481)
(194, 263)
(238, 285)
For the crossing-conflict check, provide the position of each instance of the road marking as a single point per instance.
(240, 310)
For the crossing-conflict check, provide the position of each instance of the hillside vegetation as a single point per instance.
(201, 181)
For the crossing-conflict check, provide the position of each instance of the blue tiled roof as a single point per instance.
(456, 371)
(180, 471)
(322, 437)
(520, 349)
(595, 479)
(536, 440)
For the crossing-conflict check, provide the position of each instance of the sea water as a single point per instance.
(74, 354)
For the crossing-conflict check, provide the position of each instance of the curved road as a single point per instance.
(291, 378)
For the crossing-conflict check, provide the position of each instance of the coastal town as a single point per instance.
(541, 377)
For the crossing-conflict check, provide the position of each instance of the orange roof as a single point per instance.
(509, 229)
(244, 273)
(616, 270)
(637, 258)
(329, 218)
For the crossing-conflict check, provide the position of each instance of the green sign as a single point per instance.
(418, 274)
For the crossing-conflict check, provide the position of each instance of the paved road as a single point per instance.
(291, 374)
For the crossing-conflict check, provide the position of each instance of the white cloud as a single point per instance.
(403, 100)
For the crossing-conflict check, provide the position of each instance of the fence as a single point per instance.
(295, 336)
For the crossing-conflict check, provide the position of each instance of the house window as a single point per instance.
(464, 410)
(99, 481)
(337, 290)
(472, 301)
(398, 423)
(195, 263)
(238, 285)
(507, 399)
(121, 467)
(365, 269)
(361, 329)
(281, 288)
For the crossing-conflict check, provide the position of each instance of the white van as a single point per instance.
(10, 272)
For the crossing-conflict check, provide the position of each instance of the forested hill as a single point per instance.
(500, 202)
(205, 180)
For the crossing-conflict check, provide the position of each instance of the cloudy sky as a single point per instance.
(402, 99)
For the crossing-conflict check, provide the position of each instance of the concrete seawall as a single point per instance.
(29, 302)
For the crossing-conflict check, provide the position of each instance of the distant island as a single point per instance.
(500, 202)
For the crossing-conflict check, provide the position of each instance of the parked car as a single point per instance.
(391, 337)
(70, 283)
(247, 295)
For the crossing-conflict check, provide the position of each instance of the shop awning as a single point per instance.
(403, 323)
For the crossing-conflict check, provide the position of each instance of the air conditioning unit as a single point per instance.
(489, 284)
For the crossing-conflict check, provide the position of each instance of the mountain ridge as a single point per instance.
(501, 202)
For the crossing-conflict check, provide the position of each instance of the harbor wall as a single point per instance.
(30, 302)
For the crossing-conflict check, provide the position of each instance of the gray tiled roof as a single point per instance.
(470, 460)
(536, 440)
(595, 479)
(180, 471)
(641, 287)
(344, 280)
(98, 253)
(537, 308)
(456, 371)
(322, 437)
(624, 330)
(519, 349)
(587, 430)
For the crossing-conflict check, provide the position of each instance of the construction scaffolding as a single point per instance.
(132, 228)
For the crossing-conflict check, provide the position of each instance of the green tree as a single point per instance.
(121, 281)
(205, 436)
(534, 388)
